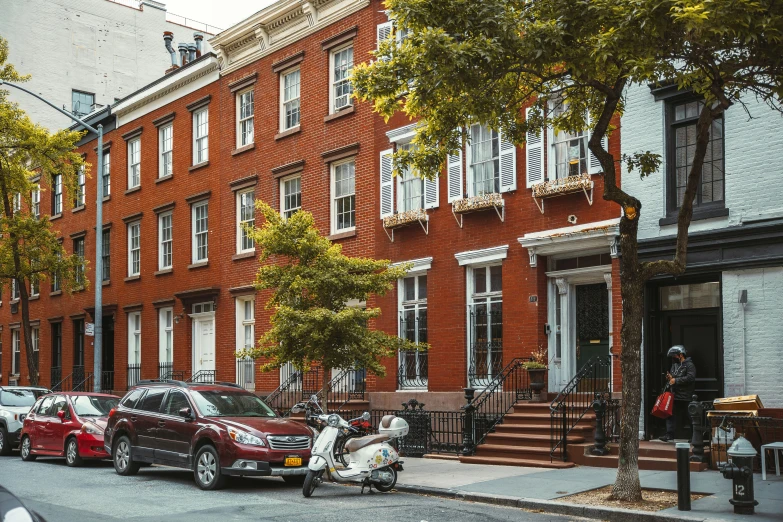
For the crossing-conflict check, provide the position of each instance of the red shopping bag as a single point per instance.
(664, 405)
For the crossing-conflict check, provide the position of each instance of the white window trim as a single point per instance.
(106, 172)
(161, 151)
(283, 101)
(131, 144)
(133, 357)
(129, 229)
(163, 329)
(333, 201)
(481, 257)
(193, 239)
(487, 261)
(419, 265)
(57, 193)
(241, 322)
(196, 137)
(161, 262)
(16, 347)
(239, 221)
(332, 54)
(239, 119)
(283, 193)
(35, 201)
(418, 270)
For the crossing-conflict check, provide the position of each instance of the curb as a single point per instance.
(548, 506)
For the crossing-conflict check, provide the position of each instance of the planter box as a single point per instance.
(559, 187)
(405, 218)
(476, 203)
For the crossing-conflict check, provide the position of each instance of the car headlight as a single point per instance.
(92, 429)
(243, 437)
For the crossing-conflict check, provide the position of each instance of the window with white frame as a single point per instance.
(166, 335)
(165, 241)
(342, 89)
(290, 195)
(35, 286)
(55, 284)
(201, 136)
(16, 202)
(57, 194)
(14, 289)
(410, 187)
(134, 340)
(413, 192)
(289, 91)
(343, 196)
(245, 323)
(81, 190)
(567, 151)
(245, 112)
(106, 254)
(200, 239)
(484, 166)
(134, 248)
(35, 340)
(485, 309)
(16, 352)
(166, 150)
(78, 251)
(413, 327)
(246, 218)
(134, 163)
(106, 173)
(35, 199)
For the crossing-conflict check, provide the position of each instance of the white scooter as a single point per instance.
(372, 461)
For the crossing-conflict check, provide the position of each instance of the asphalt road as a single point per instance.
(96, 493)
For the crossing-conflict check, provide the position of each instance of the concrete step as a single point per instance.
(541, 418)
(645, 463)
(511, 451)
(523, 439)
(541, 429)
(517, 462)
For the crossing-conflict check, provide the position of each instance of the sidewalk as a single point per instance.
(536, 488)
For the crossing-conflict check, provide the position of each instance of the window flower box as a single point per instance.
(476, 203)
(403, 219)
(563, 186)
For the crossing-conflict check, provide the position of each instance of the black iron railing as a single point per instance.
(294, 388)
(349, 384)
(79, 377)
(203, 377)
(56, 377)
(86, 384)
(107, 380)
(63, 384)
(486, 345)
(413, 370)
(576, 399)
(246, 373)
(166, 371)
(724, 430)
(134, 375)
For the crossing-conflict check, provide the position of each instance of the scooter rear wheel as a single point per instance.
(310, 482)
(385, 488)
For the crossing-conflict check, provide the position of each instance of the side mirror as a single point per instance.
(186, 413)
(366, 415)
(61, 415)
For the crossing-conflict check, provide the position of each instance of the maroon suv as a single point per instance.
(215, 430)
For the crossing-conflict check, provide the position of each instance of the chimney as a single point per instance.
(183, 53)
(198, 37)
(192, 52)
(168, 36)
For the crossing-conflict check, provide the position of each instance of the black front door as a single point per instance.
(107, 381)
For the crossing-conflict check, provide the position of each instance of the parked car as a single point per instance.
(13, 510)
(15, 402)
(215, 430)
(67, 424)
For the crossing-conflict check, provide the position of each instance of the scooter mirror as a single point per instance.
(296, 409)
(366, 415)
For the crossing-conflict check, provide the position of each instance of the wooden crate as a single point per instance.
(741, 403)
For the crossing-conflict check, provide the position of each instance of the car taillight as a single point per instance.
(112, 412)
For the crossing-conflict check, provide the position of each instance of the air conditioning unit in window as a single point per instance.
(13, 382)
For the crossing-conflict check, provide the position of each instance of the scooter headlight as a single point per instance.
(333, 420)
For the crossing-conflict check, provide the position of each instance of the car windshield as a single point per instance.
(222, 403)
(18, 398)
(91, 406)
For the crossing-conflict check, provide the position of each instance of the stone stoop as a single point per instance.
(653, 456)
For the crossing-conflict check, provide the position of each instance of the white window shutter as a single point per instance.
(455, 176)
(383, 31)
(387, 184)
(534, 155)
(431, 189)
(508, 165)
(593, 163)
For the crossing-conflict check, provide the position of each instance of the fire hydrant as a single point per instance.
(740, 470)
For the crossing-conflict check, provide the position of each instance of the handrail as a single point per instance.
(493, 403)
(576, 399)
(340, 389)
(86, 385)
(284, 386)
(59, 386)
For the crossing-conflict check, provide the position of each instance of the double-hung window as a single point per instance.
(246, 218)
(343, 196)
(134, 163)
(16, 352)
(413, 327)
(411, 187)
(14, 289)
(57, 194)
(341, 65)
(165, 241)
(568, 151)
(106, 254)
(134, 248)
(35, 199)
(166, 337)
(485, 309)
(289, 110)
(35, 286)
(78, 200)
(78, 251)
(166, 150)
(290, 195)
(134, 347)
(201, 136)
(106, 173)
(484, 167)
(35, 340)
(245, 112)
(200, 239)
(55, 284)
(16, 202)
(82, 103)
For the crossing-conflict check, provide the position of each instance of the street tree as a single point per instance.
(315, 289)
(30, 250)
(508, 63)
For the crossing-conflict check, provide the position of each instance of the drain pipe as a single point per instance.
(198, 37)
(168, 36)
(183, 54)
(743, 300)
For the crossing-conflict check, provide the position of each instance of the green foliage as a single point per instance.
(533, 365)
(312, 285)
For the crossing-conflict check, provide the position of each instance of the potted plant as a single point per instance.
(536, 368)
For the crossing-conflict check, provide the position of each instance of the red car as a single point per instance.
(67, 424)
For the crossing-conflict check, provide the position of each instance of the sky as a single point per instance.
(218, 13)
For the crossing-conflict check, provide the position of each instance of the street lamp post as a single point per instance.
(98, 314)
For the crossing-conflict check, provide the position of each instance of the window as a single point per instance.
(82, 103)
(134, 163)
(341, 66)
(78, 343)
(484, 171)
(683, 117)
(16, 354)
(175, 401)
(200, 238)
(131, 400)
(35, 199)
(78, 200)
(57, 345)
(55, 284)
(290, 195)
(165, 241)
(568, 151)
(134, 248)
(413, 327)
(106, 255)
(134, 338)
(485, 309)
(17, 202)
(166, 335)
(153, 399)
(14, 289)
(78, 250)
(245, 112)
(35, 286)
(411, 188)
(246, 217)
(245, 323)
(289, 89)
(57, 194)
(166, 144)
(106, 173)
(343, 197)
(35, 338)
(200, 136)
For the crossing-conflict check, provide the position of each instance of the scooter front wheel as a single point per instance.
(310, 482)
(385, 487)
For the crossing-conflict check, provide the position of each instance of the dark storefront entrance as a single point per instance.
(686, 313)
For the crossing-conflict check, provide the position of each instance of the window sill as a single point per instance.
(107, 198)
(106, 283)
(200, 264)
(132, 190)
(199, 166)
(164, 271)
(698, 215)
(77, 209)
(55, 293)
(340, 114)
(243, 255)
(342, 235)
(56, 216)
(243, 148)
(132, 278)
(164, 178)
(77, 290)
(289, 132)
(34, 297)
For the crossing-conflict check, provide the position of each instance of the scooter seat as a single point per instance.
(361, 442)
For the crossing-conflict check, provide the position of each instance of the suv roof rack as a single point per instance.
(162, 381)
(232, 384)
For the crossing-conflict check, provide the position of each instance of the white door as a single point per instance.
(203, 342)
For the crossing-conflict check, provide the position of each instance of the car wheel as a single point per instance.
(25, 449)
(5, 448)
(207, 471)
(389, 484)
(294, 480)
(310, 482)
(72, 457)
(122, 457)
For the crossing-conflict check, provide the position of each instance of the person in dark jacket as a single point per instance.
(682, 381)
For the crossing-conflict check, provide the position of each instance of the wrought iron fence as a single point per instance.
(724, 430)
(166, 371)
(134, 375)
(413, 367)
(349, 384)
(79, 378)
(246, 373)
(294, 388)
(203, 377)
(107, 380)
(56, 378)
(486, 345)
(86, 384)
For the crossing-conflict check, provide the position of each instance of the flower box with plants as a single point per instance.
(402, 219)
(558, 187)
(474, 203)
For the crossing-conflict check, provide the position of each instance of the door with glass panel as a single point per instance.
(412, 371)
(485, 313)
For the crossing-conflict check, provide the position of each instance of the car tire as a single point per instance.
(122, 457)
(26, 449)
(294, 480)
(310, 482)
(72, 457)
(385, 488)
(207, 469)
(5, 446)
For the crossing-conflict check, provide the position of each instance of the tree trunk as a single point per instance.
(326, 378)
(32, 366)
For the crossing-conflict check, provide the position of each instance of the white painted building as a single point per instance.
(735, 249)
(88, 53)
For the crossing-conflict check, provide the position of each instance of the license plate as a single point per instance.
(293, 461)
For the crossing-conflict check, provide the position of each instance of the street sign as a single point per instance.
(89, 329)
